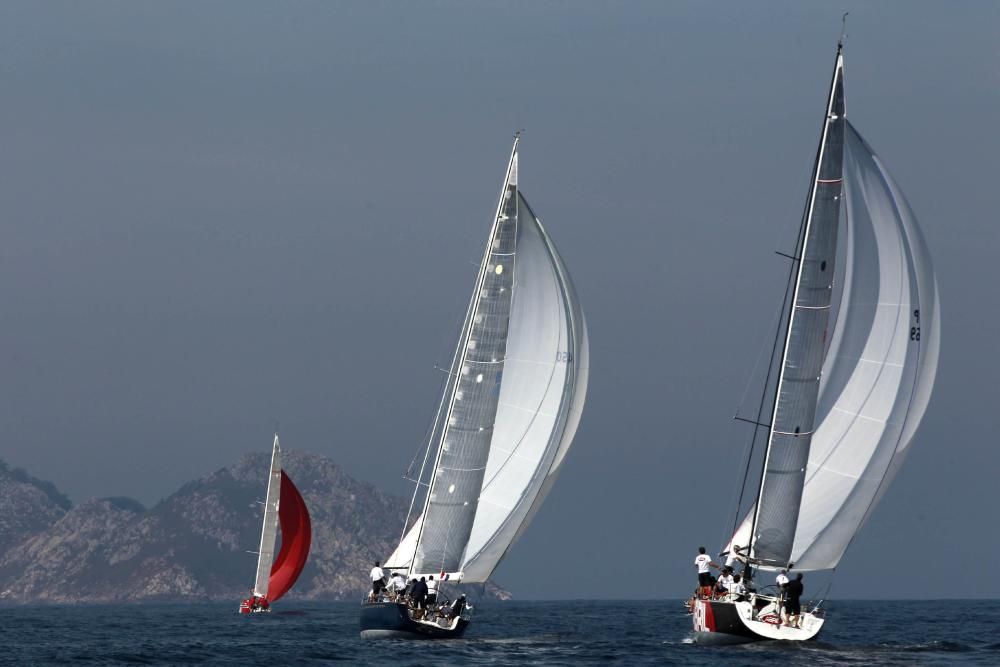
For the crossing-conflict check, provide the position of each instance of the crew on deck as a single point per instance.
(418, 594)
(703, 562)
(733, 556)
(724, 584)
(397, 584)
(737, 591)
(378, 581)
(432, 591)
(793, 607)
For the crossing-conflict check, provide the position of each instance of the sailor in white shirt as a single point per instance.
(725, 583)
(736, 589)
(397, 584)
(378, 577)
(734, 557)
(703, 561)
(782, 579)
(432, 590)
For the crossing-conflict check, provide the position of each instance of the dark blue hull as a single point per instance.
(380, 620)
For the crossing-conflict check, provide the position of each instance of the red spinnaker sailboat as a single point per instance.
(285, 507)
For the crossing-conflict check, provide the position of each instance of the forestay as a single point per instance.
(880, 368)
(269, 533)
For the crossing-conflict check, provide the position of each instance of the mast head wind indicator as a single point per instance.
(843, 31)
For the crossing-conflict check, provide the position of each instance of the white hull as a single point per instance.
(725, 622)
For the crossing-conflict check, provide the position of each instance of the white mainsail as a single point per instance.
(879, 368)
(269, 533)
(540, 396)
(794, 417)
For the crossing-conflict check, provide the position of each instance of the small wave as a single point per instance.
(942, 646)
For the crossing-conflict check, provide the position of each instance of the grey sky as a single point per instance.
(218, 215)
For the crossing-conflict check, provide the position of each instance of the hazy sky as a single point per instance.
(216, 216)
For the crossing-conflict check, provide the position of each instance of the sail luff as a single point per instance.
(452, 527)
(777, 506)
(269, 530)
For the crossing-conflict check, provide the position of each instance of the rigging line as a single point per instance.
(763, 398)
(775, 322)
(432, 425)
(432, 429)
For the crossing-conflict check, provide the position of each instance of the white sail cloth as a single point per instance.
(880, 367)
(541, 399)
(269, 532)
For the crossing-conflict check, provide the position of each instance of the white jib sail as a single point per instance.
(269, 533)
(879, 370)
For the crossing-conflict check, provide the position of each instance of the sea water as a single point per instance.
(502, 633)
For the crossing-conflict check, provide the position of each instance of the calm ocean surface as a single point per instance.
(513, 633)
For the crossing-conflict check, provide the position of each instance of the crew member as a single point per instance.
(724, 584)
(378, 580)
(397, 584)
(793, 607)
(418, 593)
(703, 561)
(737, 591)
(733, 557)
(432, 591)
(782, 581)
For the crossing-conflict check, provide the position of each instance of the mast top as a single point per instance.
(843, 32)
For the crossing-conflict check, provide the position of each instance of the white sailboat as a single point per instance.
(506, 419)
(284, 505)
(856, 367)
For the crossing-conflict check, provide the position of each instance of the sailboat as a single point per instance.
(856, 363)
(510, 407)
(284, 506)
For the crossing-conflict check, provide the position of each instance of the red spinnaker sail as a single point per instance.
(296, 537)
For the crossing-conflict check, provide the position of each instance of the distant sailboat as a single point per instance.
(510, 408)
(854, 379)
(284, 505)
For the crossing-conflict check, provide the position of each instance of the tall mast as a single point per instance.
(462, 352)
(269, 530)
(811, 274)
